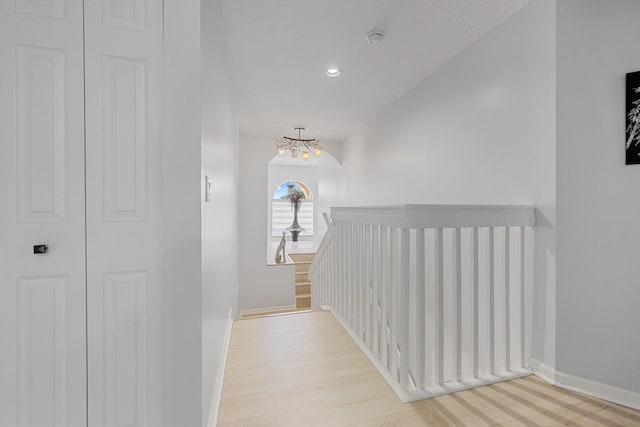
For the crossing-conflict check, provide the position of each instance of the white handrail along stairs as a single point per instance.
(437, 296)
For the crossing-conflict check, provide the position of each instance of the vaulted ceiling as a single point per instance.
(280, 49)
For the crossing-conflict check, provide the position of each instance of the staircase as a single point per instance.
(303, 286)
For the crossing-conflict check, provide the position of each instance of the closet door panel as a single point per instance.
(123, 117)
(42, 296)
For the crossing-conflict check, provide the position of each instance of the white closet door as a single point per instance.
(42, 297)
(123, 59)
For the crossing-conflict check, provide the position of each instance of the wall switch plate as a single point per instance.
(207, 188)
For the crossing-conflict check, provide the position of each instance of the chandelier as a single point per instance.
(295, 145)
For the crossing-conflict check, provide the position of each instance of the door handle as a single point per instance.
(40, 249)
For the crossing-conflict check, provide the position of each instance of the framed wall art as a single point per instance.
(633, 119)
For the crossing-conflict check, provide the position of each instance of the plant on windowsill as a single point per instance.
(295, 197)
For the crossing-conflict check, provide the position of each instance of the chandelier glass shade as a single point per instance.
(298, 145)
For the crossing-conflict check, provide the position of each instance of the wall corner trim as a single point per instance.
(606, 392)
(217, 391)
(542, 370)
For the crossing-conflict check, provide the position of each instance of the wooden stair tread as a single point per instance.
(302, 263)
(299, 258)
(303, 289)
(302, 266)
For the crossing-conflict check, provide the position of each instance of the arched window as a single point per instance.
(282, 210)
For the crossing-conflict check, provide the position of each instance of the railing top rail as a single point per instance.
(438, 216)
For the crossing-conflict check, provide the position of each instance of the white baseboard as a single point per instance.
(267, 309)
(217, 388)
(599, 390)
(542, 370)
(591, 388)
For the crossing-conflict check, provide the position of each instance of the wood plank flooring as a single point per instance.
(304, 370)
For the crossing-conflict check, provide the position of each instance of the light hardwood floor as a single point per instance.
(304, 370)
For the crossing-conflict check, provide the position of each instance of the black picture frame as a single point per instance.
(632, 119)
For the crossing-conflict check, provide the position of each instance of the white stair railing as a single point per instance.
(436, 296)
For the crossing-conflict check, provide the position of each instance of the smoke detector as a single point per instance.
(374, 37)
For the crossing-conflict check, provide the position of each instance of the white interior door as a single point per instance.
(123, 60)
(42, 297)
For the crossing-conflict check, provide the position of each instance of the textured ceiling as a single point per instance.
(279, 50)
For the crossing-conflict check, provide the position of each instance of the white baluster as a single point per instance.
(457, 242)
(354, 279)
(492, 308)
(336, 273)
(338, 282)
(327, 289)
(335, 280)
(349, 261)
(507, 297)
(367, 282)
(334, 269)
(322, 293)
(403, 312)
(439, 307)
(476, 304)
(394, 303)
(344, 280)
(376, 287)
(523, 335)
(317, 295)
(384, 287)
(420, 310)
(361, 281)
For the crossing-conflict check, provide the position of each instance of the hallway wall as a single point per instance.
(261, 286)
(199, 239)
(598, 303)
(181, 239)
(480, 130)
(219, 159)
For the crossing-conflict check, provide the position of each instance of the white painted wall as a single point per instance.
(182, 256)
(219, 218)
(598, 298)
(262, 286)
(481, 130)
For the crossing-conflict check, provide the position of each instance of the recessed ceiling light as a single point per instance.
(333, 72)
